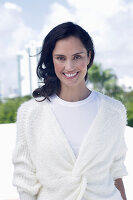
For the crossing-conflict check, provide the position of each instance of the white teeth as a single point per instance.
(70, 75)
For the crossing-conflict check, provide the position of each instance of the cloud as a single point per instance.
(14, 34)
(54, 18)
(13, 31)
(108, 22)
(12, 6)
(126, 81)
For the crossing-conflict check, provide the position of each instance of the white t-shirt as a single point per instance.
(75, 118)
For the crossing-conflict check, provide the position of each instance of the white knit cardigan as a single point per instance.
(45, 166)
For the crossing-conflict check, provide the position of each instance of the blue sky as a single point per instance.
(33, 11)
(108, 22)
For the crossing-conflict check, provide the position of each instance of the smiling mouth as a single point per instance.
(70, 76)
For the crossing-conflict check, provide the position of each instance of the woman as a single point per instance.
(70, 145)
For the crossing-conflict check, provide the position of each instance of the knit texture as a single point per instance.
(45, 166)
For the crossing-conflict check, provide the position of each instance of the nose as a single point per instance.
(69, 65)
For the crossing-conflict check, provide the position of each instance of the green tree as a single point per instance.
(128, 101)
(8, 109)
(105, 81)
(102, 79)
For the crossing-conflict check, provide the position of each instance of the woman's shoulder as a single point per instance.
(114, 104)
(111, 100)
(31, 104)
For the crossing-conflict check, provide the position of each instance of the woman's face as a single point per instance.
(70, 61)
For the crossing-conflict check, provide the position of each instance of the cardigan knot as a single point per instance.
(83, 186)
(82, 179)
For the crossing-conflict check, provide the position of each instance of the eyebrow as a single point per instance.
(72, 55)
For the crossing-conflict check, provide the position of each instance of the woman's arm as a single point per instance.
(24, 175)
(120, 186)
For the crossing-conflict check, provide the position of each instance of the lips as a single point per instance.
(70, 75)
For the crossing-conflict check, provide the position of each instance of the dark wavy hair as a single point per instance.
(45, 68)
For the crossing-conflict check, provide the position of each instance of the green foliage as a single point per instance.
(128, 101)
(8, 109)
(105, 81)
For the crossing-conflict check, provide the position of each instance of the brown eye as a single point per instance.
(76, 57)
(60, 58)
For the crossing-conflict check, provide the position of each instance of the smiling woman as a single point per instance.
(70, 145)
(69, 49)
(70, 61)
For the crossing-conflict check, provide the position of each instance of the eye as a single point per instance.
(77, 57)
(60, 58)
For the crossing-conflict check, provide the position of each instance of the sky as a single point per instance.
(109, 23)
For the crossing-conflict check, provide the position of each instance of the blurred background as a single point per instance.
(23, 26)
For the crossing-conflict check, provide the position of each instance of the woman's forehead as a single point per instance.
(71, 45)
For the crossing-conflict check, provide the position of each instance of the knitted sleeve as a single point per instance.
(118, 168)
(24, 175)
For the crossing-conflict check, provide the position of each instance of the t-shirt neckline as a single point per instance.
(56, 98)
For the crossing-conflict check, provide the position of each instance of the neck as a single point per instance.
(74, 94)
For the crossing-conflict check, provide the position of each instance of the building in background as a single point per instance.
(27, 63)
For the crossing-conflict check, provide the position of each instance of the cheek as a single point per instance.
(82, 65)
(58, 67)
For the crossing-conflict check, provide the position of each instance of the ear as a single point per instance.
(89, 57)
